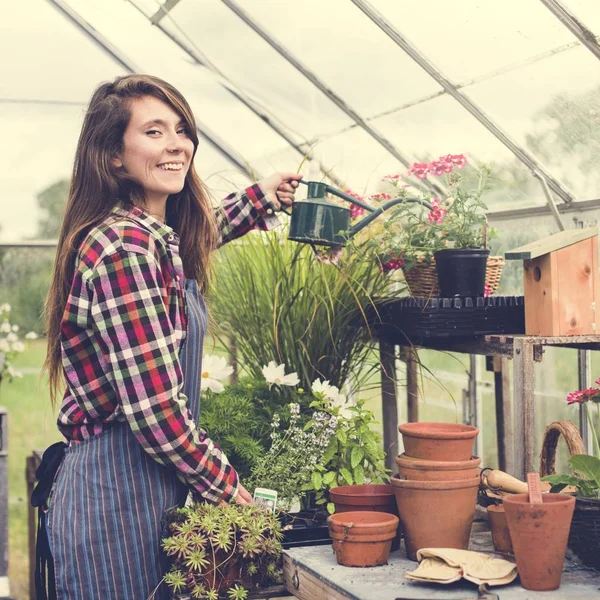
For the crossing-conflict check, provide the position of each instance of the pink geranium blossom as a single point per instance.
(355, 211)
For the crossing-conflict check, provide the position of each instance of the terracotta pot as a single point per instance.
(499, 529)
(438, 441)
(539, 534)
(362, 538)
(437, 470)
(368, 496)
(436, 514)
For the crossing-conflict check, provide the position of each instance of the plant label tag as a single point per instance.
(266, 498)
(535, 488)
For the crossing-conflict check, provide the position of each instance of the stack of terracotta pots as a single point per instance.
(436, 486)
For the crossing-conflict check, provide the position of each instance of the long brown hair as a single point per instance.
(97, 184)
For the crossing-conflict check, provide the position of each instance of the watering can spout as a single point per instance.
(316, 220)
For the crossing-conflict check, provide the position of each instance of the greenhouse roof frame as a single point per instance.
(584, 35)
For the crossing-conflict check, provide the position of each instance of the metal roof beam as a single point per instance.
(337, 100)
(268, 119)
(574, 25)
(163, 11)
(219, 145)
(466, 102)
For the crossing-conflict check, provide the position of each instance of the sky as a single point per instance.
(50, 69)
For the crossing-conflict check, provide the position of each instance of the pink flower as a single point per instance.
(486, 290)
(393, 264)
(381, 196)
(355, 211)
(436, 214)
(459, 160)
(419, 170)
(581, 396)
(331, 256)
(390, 177)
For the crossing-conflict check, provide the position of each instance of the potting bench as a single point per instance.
(515, 436)
(312, 573)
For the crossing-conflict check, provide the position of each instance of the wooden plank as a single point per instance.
(389, 403)
(524, 430)
(551, 243)
(504, 427)
(305, 584)
(576, 312)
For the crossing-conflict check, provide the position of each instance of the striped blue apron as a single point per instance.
(109, 499)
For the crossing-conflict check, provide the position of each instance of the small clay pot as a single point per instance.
(367, 497)
(438, 441)
(436, 514)
(362, 538)
(437, 470)
(539, 534)
(499, 529)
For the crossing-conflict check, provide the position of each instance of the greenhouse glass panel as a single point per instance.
(552, 108)
(441, 126)
(474, 37)
(348, 52)
(255, 67)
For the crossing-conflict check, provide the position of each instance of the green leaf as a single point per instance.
(347, 476)
(330, 452)
(359, 474)
(329, 477)
(316, 480)
(357, 456)
(341, 436)
(586, 465)
(321, 501)
(330, 508)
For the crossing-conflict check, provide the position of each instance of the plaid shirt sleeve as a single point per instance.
(136, 339)
(243, 212)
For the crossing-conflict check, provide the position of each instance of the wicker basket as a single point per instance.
(584, 537)
(422, 279)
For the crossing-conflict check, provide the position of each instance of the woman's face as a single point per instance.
(157, 149)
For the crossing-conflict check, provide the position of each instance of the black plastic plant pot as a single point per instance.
(461, 271)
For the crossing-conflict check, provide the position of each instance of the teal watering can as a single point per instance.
(318, 221)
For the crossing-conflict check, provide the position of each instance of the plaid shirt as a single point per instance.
(122, 330)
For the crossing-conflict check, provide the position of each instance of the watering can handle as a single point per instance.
(282, 208)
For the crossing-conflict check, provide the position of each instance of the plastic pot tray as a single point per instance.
(416, 320)
(308, 529)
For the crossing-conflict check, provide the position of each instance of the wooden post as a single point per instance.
(389, 403)
(503, 414)
(233, 360)
(524, 424)
(412, 384)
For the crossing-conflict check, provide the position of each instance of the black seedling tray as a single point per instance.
(308, 529)
(415, 320)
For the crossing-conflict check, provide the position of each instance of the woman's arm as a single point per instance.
(255, 207)
(137, 343)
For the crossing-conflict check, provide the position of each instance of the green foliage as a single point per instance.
(209, 545)
(588, 485)
(354, 455)
(52, 202)
(278, 302)
(239, 419)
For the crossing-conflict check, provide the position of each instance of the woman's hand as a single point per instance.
(279, 188)
(243, 497)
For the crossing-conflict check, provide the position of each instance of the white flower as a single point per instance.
(32, 335)
(5, 308)
(18, 347)
(331, 392)
(275, 374)
(12, 337)
(4, 346)
(15, 328)
(214, 370)
(5, 327)
(13, 373)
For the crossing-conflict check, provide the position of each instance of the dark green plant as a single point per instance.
(588, 485)
(279, 302)
(222, 550)
(239, 419)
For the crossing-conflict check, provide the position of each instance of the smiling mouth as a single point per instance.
(172, 166)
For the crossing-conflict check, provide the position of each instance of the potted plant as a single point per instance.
(584, 537)
(444, 250)
(217, 551)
